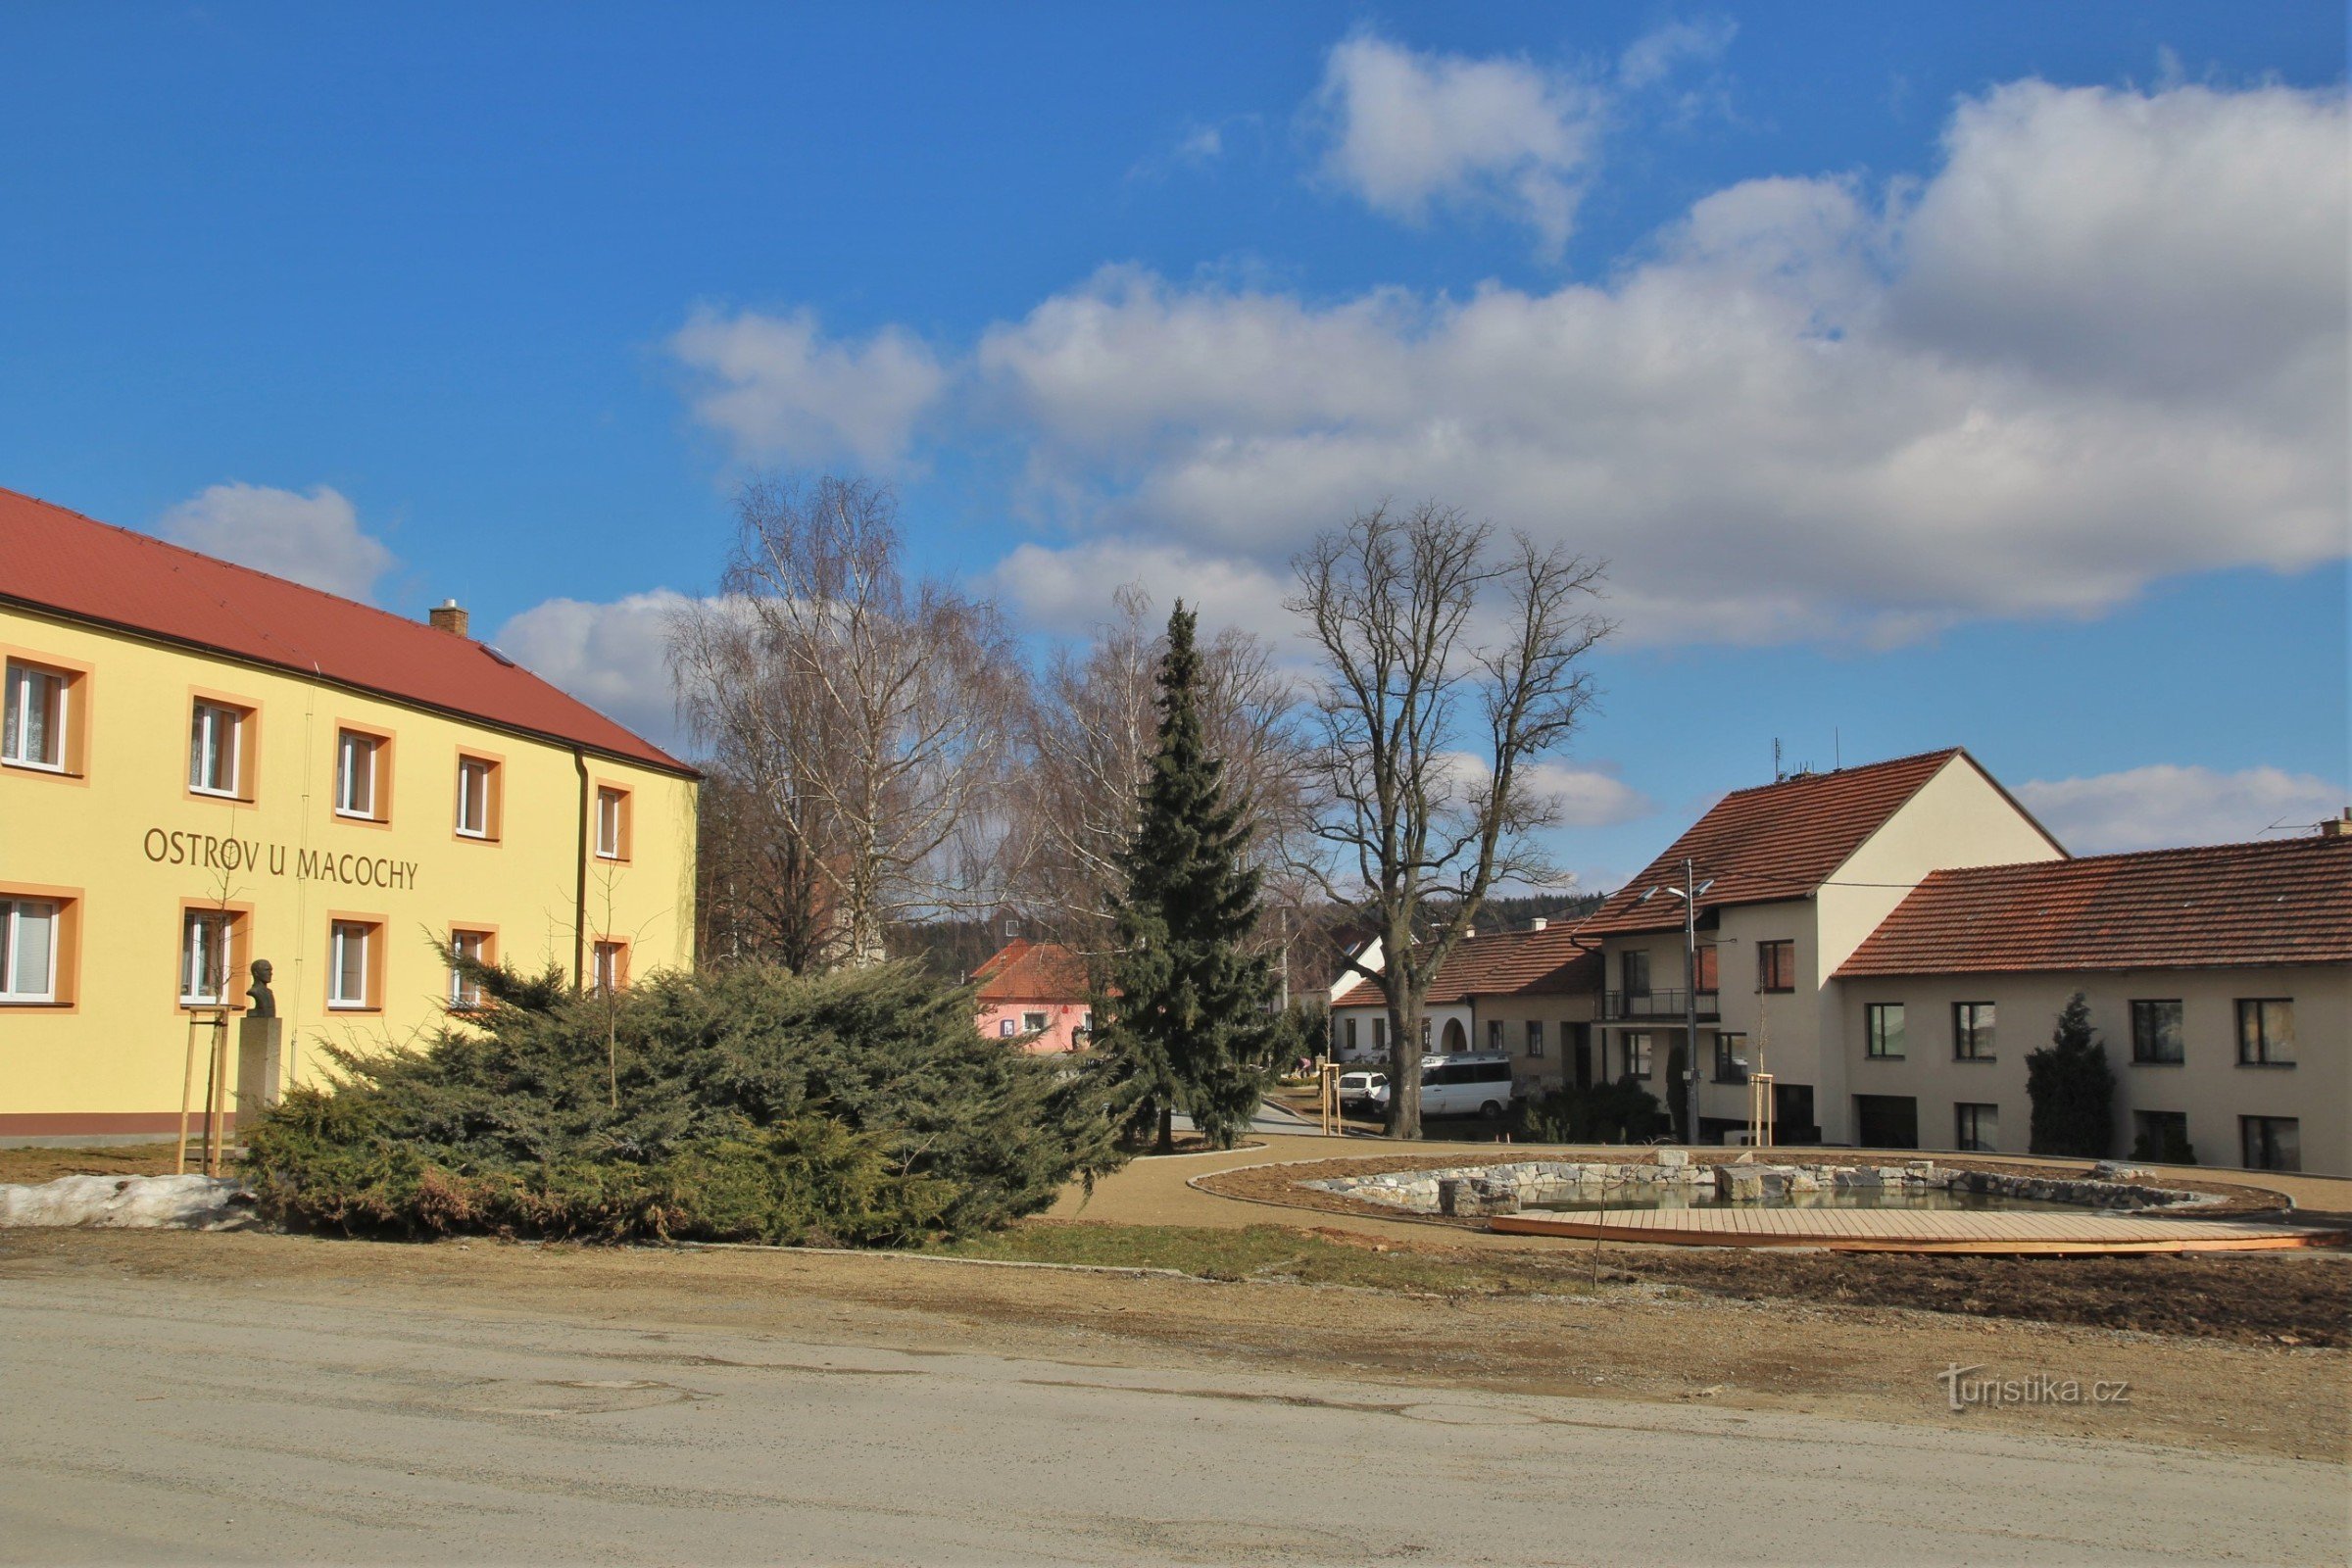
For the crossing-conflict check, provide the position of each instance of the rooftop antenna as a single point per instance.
(1776, 775)
(1837, 749)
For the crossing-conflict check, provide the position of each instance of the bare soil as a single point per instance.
(2289, 1299)
(1645, 1342)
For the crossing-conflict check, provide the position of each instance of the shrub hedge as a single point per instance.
(747, 1104)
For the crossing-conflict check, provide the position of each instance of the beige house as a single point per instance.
(1889, 941)
(2219, 979)
(1789, 877)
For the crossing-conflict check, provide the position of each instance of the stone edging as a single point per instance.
(1502, 1188)
(1262, 1183)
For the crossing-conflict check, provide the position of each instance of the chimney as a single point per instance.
(2337, 827)
(447, 617)
(1538, 923)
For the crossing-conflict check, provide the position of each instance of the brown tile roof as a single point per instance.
(1775, 841)
(63, 561)
(2279, 900)
(1546, 963)
(1033, 971)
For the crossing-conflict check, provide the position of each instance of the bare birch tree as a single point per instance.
(1428, 728)
(1089, 736)
(870, 716)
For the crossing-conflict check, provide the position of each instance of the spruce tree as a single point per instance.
(2072, 1088)
(1190, 1020)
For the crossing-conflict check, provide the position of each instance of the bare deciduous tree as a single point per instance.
(755, 895)
(868, 716)
(1427, 731)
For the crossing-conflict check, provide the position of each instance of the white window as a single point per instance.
(349, 946)
(28, 950)
(612, 966)
(213, 750)
(474, 797)
(204, 947)
(1638, 1061)
(612, 822)
(475, 947)
(34, 735)
(1006, 1028)
(354, 773)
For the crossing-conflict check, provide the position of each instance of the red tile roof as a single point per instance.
(1546, 963)
(64, 562)
(1775, 841)
(2280, 901)
(1033, 971)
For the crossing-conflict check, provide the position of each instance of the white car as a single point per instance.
(1473, 1085)
(1363, 1091)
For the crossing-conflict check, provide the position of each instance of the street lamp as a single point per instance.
(1689, 894)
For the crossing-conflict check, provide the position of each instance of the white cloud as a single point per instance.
(1589, 796)
(776, 386)
(1201, 144)
(1408, 131)
(2104, 343)
(1656, 54)
(2187, 242)
(614, 657)
(314, 539)
(2162, 806)
(1070, 590)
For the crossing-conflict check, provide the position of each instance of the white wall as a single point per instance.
(1435, 1014)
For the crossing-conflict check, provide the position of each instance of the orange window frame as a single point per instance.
(74, 764)
(240, 952)
(380, 805)
(65, 958)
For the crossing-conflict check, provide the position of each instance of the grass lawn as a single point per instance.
(33, 1167)
(1274, 1252)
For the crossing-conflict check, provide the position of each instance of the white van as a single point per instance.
(1471, 1085)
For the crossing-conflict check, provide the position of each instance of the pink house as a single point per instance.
(1034, 995)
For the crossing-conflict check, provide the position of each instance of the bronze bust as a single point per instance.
(259, 1003)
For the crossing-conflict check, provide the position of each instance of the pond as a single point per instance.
(1909, 1200)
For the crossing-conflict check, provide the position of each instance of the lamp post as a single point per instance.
(1689, 894)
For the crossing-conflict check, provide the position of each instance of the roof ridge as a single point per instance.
(2161, 853)
(1943, 753)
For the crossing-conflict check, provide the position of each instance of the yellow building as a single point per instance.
(202, 765)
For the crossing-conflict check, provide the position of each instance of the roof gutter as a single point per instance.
(580, 874)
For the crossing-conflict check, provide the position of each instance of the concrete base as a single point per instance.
(260, 1053)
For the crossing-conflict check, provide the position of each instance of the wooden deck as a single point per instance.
(1883, 1230)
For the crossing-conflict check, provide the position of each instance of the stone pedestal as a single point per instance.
(260, 1051)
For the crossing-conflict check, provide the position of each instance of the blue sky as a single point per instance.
(1930, 375)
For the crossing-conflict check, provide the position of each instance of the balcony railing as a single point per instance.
(1665, 1006)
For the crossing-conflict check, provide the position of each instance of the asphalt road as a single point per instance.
(155, 1421)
